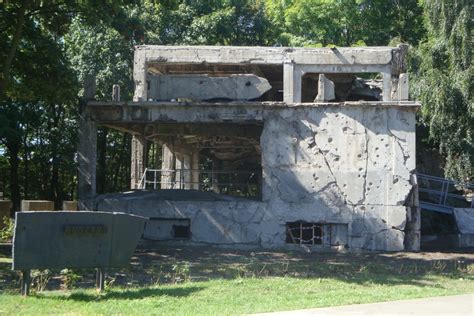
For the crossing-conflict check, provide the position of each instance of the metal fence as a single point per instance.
(442, 195)
(231, 182)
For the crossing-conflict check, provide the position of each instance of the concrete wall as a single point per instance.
(341, 165)
(330, 164)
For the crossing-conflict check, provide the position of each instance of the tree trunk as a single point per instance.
(25, 165)
(102, 161)
(4, 78)
(55, 185)
(13, 150)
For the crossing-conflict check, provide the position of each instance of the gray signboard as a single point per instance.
(56, 240)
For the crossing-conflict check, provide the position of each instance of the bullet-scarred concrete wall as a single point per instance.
(350, 165)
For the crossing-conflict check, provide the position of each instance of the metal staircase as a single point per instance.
(443, 195)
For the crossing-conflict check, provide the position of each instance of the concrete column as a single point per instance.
(138, 160)
(403, 87)
(186, 171)
(87, 151)
(291, 82)
(167, 163)
(195, 169)
(179, 176)
(387, 86)
(214, 177)
(325, 89)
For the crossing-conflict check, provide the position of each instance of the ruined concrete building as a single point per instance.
(265, 146)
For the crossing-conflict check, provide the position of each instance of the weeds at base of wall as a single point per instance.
(40, 279)
(69, 279)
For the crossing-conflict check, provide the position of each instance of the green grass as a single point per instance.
(236, 296)
(241, 283)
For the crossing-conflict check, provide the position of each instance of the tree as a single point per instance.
(102, 51)
(17, 18)
(35, 74)
(345, 22)
(444, 83)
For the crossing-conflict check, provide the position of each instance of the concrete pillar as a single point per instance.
(325, 89)
(292, 78)
(138, 161)
(387, 86)
(179, 175)
(167, 166)
(116, 93)
(87, 151)
(214, 177)
(195, 169)
(140, 75)
(413, 224)
(403, 87)
(183, 169)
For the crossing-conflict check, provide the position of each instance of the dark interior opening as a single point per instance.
(181, 231)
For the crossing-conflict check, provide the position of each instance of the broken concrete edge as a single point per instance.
(265, 104)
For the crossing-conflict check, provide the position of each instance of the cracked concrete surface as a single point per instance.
(352, 165)
(348, 165)
(340, 165)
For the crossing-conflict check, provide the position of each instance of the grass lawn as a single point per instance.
(218, 282)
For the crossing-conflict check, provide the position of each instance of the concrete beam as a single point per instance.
(209, 129)
(262, 55)
(204, 87)
(132, 115)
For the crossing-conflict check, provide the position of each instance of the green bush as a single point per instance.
(6, 233)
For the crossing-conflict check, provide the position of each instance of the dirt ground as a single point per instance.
(175, 263)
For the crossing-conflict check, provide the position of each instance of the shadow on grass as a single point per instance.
(421, 270)
(127, 294)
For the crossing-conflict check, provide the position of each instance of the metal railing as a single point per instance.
(231, 182)
(443, 195)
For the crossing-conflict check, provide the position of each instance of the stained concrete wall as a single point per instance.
(340, 165)
(336, 164)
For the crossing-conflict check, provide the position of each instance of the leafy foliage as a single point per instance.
(6, 233)
(345, 22)
(444, 83)
(47, 50)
